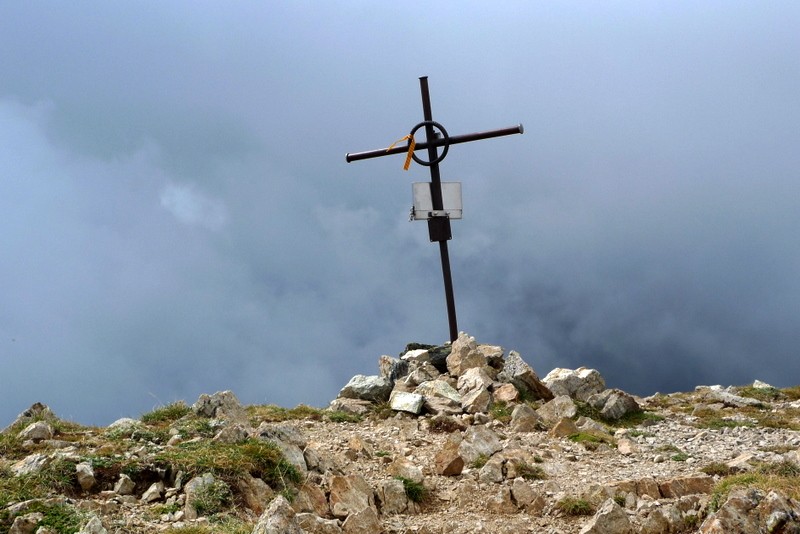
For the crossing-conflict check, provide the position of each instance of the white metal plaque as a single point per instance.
(423, 201)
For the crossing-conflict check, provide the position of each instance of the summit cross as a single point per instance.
(438, 218)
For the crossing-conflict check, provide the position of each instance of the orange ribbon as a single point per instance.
(412, 143)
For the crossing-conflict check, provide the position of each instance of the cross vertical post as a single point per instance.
(438, 227)
(438, 217)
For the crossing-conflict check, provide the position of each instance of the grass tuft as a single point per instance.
(574, 507)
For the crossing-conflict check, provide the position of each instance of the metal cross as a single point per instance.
(438, 225)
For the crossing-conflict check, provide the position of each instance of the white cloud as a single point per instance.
(193, 208)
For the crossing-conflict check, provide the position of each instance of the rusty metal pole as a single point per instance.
(438, 227)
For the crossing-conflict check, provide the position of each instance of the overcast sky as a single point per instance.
(177, 216)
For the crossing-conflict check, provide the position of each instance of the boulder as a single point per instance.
(614, 404)
(525, 419)
(402, 401)
(364, 521)
(472, 379)
(610, 518)
(522, 375)
(93, 526)
(392, 368)
(85, 475)
(752, 511)
(278, 518)
(370, 388)
(448, 461)
(220, 405)
(125, 485)
(255, 493)
(351, 406)
(578, 384)
(507, 393)
(563, 428)
(479, 441)
(556, 409)
(678, 487)
(464, 355)
(314, 524)
(37, 431)
(476, 400)
(392, 496)
(349, 494)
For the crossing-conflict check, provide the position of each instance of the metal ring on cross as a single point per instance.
(446, 145)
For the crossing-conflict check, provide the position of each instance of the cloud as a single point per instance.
(192, 207)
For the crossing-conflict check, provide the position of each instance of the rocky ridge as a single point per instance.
(456, 439)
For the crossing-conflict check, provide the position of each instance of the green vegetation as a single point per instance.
(343, 417)
(717, 469)
(166, 414)
(679, 457)
(573, 506)
(261, 459)
(590, 440)
(415, 491)
(479, 462)
(781, 476)
(500, 411)
(271, 413)
(210, 499)
(219, 525)
(531, 472)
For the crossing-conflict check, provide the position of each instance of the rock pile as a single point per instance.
(451, 439)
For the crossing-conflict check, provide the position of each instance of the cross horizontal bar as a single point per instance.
(454, 140)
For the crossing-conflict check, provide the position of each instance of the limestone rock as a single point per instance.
(220, 405)
(255, 493)
(153, 493)
(610, 518)
(36, 412)
(578, 384)
(310, 498)
(614, 404)
(351, 406)
(364, 521)
(507, 393)
(392, 496)
(472, 379)
(392, 368)
(678, 487)
(31, 464)
(525, 419)
(522, 375)
(37, 431)
(476, 401)
(85, 475)
(526, 497)
(124, 485)
(402, 401)
(194, 487)
(479, 441)
(464, 355)
(369, 388)
(440, 397)
(93, 526)
(563, 428)
(350, 494)
(502, 503)
(402, 467)
(556, 409)
(314, 524)
(448, 461)
(278, 518)
(26, 524)
(752, 511)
